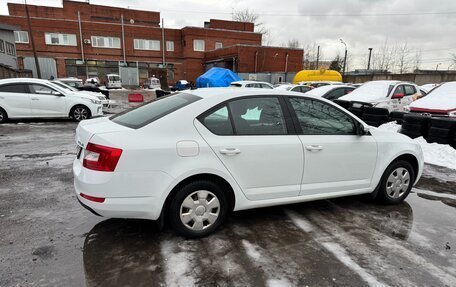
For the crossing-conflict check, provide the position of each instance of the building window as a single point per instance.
(198, 45)
(141, 44)
(105, 42)
(170, 46)
(21, 37)
(10, 49)
(218, 45)
(2, 46)
(60, 39)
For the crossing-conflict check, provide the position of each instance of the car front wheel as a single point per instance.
(3, 116)
(396, 182)
(198, 209)
(80, 113)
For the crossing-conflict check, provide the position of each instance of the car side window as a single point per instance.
(264, 86)
(399, 91)
(218, 122)
(319, 118)
(409, 90)
(42, 90)
(258, 116)
(296, 89)
(14, 88)
(250, 85)
(335, 94)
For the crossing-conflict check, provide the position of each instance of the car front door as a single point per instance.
(255, 140)
(336, 159)
(16, 100)
(47, 101)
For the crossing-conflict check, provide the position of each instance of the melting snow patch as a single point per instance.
(278, 283)
(177, 265)
(434, 153)
(251, 250)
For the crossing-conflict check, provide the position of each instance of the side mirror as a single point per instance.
(361, 130)
(398, 96)
(55, 93)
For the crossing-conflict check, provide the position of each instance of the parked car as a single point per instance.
(331, 92)
(36, 98)
(251, 84)
(181, 85)
(392, 95)
(100, 96)
(318, 84)
(440, 102)
(113, 81)
(152, 83)
(229, 149)
(77, 83)
(428, 87)
(294, 88)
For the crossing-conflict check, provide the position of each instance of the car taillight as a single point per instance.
(101, 158)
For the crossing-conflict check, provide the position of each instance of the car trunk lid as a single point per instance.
(86, 129)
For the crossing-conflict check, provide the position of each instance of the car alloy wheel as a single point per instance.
(398, 183)
(80, 114)
(199, 210)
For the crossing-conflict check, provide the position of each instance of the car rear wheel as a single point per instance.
(80, 113)
(3, 116)
(396, 182)
(198, 209)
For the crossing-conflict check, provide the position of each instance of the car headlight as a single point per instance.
(452, 114)
(96, 102)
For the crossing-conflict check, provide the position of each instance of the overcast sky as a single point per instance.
(429, 26)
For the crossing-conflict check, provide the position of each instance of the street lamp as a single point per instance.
(345, 57)
(369, 61)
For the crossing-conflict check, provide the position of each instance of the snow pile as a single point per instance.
(434, 153)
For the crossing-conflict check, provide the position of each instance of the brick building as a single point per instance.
(84, 40)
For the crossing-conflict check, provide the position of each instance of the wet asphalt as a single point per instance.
(48, 239)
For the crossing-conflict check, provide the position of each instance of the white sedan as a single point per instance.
(251, 84)
(331, 92)
(440, 102)
(35, 98)
(195, 156)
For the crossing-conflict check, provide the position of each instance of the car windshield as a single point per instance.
(446, 90)
(65, 86)
(114, 78)
(236, 85)
(372, 91)
(151, 111)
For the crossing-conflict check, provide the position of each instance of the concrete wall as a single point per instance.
(419, 79)
(272, 78)
(5, 59)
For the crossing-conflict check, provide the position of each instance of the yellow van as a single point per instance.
(322, 75)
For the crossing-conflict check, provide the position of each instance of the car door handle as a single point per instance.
(230, 151)
(35, 99)
(314, 147)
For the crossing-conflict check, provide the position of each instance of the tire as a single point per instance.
(376, 111)
(3, 116)
(411, 134)
(443, 123)
(377, 120)
(80, 113)
(411, 127)
(342, 103)
(198, 223)
(439, 132)
(439, 140)
(396, 182)
(397, 116)
(416, 119)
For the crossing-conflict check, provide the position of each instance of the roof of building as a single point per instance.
(8, 27)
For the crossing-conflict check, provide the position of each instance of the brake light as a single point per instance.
(101, 158)
(92, 198)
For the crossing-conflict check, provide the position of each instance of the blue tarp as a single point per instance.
(216, 77)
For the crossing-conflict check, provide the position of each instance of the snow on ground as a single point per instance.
(434, 153)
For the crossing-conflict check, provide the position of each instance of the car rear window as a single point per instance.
(145, 114)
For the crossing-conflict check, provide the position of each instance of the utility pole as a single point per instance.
(163, 43)
(345, 57)
(318, 57)
(37, 64)
(123, 38)
(369, 60)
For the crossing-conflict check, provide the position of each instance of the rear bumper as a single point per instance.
(125, 194)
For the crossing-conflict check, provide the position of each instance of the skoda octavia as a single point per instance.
(194, 156)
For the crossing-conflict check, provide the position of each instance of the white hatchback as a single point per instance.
(35, 98)
(391, 95)
(194, 156)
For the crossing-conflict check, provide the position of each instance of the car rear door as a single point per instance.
(47, 101)
(255, 139)
(15, 99)
(335, 157)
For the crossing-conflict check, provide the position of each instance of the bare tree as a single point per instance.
(293, 43)
(403, 59)
(310, 56)
(247, 15)
(418, 59)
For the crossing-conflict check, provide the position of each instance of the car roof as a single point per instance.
(23, 80)
(250, 82)
(236, 92)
